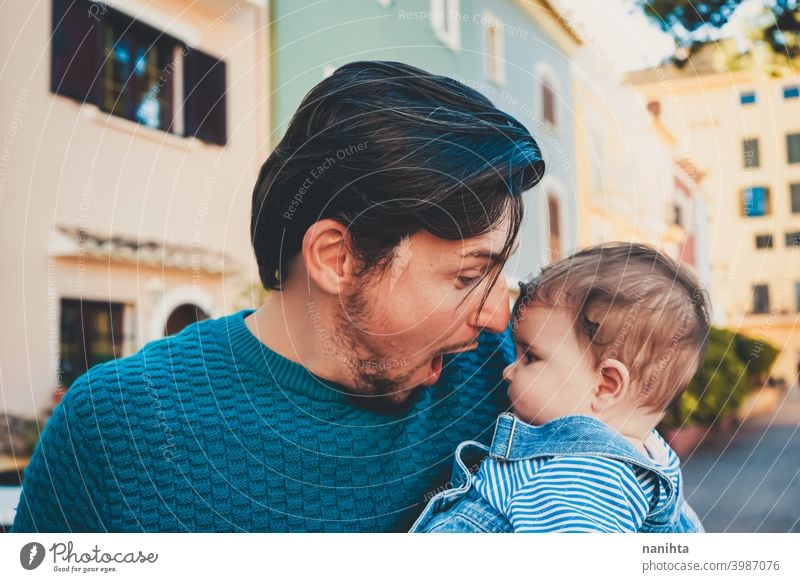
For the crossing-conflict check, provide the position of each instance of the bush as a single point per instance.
(733, 365)
(757, 355)
(18, 436)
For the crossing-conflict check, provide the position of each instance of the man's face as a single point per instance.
(424, 304)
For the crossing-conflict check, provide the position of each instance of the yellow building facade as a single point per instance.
(742, 128)
(633, 182)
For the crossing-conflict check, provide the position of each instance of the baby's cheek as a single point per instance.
(514, 392)
(521, 389)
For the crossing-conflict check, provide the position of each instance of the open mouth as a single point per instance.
(435, 372)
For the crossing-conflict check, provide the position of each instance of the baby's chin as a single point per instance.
(524, 410)
(526, 416)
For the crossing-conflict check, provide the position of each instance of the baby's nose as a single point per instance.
(508, 373)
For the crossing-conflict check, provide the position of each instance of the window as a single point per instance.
(791, 92)
(760, 299)
(445, 19)
(136, 82)
(495, 50)
(797, 296)
(598, 159)
(756, 201)
(763, 241)
(794, 193)
(751, 158)
(131, 70)
(793, 239)
(554, 227)
(548, 103)
(793, 148)
(91, 333)
(677, 215)
(545, 91)
(747, 97)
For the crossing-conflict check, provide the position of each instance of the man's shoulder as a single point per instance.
(472, 387)
(495, 351)
(197, 340)
(497, 345)
(154, 368)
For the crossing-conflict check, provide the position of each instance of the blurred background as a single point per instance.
(131, 133)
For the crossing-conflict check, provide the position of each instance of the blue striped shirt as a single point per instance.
(577, 493)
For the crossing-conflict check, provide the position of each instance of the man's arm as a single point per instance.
(579, 494)
(61, 488)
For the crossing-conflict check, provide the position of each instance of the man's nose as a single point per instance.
(495, 313)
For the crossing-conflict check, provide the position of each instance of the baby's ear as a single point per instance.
(614, 382)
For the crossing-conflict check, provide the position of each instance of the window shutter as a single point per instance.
(548, 104)
(77, 49)
(204, 83)
(793, 147)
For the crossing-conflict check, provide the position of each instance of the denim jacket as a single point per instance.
(462, 509)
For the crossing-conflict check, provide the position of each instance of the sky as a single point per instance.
(620, 30)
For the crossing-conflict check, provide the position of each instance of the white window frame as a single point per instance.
(495, 56)
(446, 22)
(547, 187)
(177, 91)
(544, 74)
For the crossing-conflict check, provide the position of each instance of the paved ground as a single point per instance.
(752, 482)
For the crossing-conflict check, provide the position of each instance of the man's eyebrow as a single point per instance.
(489, 255)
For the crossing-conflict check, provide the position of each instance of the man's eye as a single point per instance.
(467, 281)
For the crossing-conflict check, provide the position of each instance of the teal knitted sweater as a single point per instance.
(209, 430)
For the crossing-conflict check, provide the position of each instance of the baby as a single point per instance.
(606, 341)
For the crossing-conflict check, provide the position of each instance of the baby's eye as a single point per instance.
(529, 358)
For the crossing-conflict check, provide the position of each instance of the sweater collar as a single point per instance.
(273, 367)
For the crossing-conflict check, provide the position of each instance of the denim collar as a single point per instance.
(515, 440)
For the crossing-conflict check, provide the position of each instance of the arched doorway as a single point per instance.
(182, 316)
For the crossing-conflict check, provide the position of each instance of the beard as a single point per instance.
(376, 384)
(381, 381)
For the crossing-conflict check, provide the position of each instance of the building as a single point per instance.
(517, 52)
(132, 136)
(739, 117)
(632, 181)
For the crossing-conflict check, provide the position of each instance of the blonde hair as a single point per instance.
(634, 304)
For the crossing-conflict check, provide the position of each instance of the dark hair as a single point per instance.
(389, 150)
(633, 303)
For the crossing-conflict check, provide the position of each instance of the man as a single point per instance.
(380, 224)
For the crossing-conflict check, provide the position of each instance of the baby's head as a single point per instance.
(615, 332)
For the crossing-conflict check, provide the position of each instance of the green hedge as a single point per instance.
(733, 366)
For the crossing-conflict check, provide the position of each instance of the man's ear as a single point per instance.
(326, 254)
(614, 382)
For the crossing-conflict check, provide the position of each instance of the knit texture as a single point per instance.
(209, 430)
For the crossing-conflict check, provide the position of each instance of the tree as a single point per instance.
(693, 23)
(734, 365)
